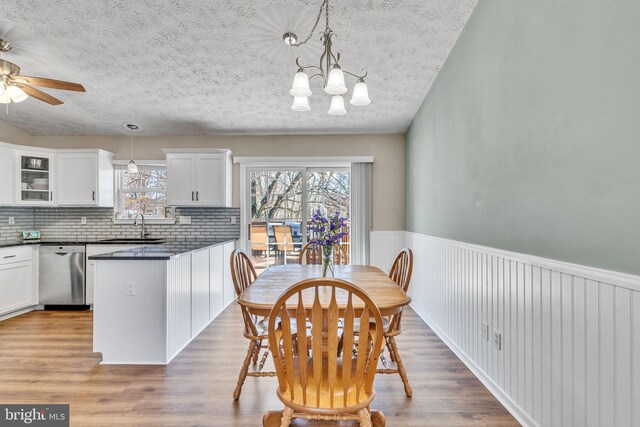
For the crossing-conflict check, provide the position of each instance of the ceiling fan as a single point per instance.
(15, 87)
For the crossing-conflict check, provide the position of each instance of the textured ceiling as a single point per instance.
(193, 67)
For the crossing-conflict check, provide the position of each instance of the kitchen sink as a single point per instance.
(133, 240)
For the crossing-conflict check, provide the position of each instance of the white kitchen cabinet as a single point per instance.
(90, 272)
(34, 173)
(229, 290)
(6, 175)
(199, 178)
(181, 189)
(216, 281)
(199, 291)
(84, 178)
(17, 286)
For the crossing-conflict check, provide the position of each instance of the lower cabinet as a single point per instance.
(216, 281)
(211, 285)
(18, 283)
(229, 290)
(200, 293)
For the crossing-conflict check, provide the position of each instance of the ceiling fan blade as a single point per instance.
(50, 83)
(37, 94)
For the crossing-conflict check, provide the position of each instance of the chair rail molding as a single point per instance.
(569, 335)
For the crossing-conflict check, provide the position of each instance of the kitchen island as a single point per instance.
(151, 301)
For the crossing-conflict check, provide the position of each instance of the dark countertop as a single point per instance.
(160, 252)
(76, 243)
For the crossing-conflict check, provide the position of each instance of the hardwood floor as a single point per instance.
(46, 357)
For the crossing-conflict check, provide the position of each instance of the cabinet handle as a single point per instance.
(248, 231)
(192, 196)
(197, 196)
(9, 256)
(93, 195)
(51, 196)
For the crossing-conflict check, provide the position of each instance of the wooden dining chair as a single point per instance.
(311, 254)
(401, 274)
(255, 329)
(314, 381)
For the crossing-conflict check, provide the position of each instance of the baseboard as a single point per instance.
(497, 392)
(16, 313)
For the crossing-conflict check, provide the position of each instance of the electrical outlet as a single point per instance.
(83, 220)
(497, 340)
(485, 332)
(12, 221)
(131, 288)
(233, 220)
(185, 219)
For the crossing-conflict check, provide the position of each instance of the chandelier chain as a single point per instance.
(325, 4)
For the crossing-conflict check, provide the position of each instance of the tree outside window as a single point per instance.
(144, 192)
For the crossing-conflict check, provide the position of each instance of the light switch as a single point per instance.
(185, 219)
(83, 220)
(233, 220)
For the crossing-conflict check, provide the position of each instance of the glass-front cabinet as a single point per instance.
(35, 178)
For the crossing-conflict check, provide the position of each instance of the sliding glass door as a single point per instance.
(280, 203)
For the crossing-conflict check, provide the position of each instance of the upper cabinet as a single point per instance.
(34, 172)
(84, 178)
(199, 178)
(6, 175)
(45, 177)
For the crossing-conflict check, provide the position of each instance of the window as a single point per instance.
(144, 192)
(283, 200)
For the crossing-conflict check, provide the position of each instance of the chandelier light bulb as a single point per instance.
(300, 84)
(337, 106)
(360, 96)
(335, 82)
(300, 103)
(16, 94)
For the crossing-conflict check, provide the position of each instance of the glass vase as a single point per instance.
(327, 265)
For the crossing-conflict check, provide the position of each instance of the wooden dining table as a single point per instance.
(260, 297)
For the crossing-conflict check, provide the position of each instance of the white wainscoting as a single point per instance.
(570, 334)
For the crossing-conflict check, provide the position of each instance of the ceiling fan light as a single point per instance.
(337, 106)
(360, 96)
(5, 98)
(335, 82)
(2, 89)
(300, 103)
(16, 94)
(300, 84)
(132, 167)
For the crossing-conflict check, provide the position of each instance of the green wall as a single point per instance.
(529, 139)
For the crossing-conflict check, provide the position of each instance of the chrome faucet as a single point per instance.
(143, 233)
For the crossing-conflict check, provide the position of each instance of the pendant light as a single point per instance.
(329, 70)
(132, 127)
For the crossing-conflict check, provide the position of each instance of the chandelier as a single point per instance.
(329, 70)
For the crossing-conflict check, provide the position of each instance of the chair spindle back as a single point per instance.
(243, 274)
(313, 374)
(401, 274)
(312, 255)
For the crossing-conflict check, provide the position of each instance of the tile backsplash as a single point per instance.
(63, 224)
(23, 218)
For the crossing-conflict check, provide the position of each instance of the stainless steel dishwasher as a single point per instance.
(62, 275)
